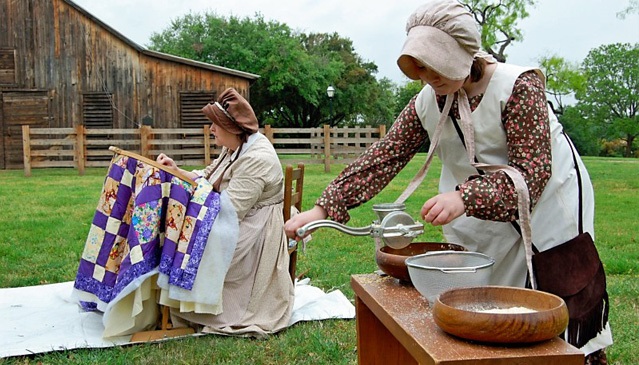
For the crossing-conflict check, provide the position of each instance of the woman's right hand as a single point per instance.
(301, 219)
(167, 161)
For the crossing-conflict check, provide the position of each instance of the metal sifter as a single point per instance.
(394, 227)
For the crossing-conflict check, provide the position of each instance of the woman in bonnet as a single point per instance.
(257, 294)
(504, 106)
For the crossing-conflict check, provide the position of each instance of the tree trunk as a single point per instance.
(629, 141)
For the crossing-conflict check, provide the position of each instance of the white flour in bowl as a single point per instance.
(508, 310)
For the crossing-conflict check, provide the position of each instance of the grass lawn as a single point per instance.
(46, 217)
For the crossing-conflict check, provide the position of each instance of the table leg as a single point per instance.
(375, 343)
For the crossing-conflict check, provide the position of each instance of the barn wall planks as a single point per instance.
(58, 51)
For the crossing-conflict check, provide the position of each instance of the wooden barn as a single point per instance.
(62, 67)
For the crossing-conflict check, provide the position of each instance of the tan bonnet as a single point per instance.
(443, 36)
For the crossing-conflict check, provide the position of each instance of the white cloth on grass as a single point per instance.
(45, 318)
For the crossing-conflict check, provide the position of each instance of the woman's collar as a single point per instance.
(251, 139)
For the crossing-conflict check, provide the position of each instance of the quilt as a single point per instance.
(146, 219)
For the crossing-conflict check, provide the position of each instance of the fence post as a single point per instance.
(26, 150)
(268, 132)
(314, 145)
(207, 145)
(327, 148)
(146, 133)
(382, 131)
(79, 148)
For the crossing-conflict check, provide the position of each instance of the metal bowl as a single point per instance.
(500, 314)
(435, 272)
(393, 261)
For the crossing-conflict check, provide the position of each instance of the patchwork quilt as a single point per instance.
(146, 219)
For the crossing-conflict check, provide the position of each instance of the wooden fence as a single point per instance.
(80, 147)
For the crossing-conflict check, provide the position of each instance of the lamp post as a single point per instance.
(330, 91)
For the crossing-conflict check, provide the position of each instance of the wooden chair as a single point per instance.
(293, 189)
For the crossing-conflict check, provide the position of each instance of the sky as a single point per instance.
(566, 28)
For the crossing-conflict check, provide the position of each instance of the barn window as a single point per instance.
(7, 66)
(191, 104)
(97, 110)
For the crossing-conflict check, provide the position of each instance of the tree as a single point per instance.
(381, 107)
(359, 97)
(405, 93)
(633, 7)
(562, 79)
(295, 69)
(585, 134)
(269, 49)
(611, 93)
(498, 21)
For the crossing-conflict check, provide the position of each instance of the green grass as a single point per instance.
(45, 219)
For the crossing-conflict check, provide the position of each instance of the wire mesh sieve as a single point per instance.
(435, 272)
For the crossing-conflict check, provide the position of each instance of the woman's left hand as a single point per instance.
(443, 208)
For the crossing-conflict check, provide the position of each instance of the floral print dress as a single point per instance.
(488, 197)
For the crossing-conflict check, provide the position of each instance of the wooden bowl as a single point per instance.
(392, 261)
(496, 314)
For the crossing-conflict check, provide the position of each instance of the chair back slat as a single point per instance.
(293, 192)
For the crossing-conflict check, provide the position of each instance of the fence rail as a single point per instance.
(80, 147)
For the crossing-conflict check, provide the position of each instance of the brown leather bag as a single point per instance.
(574, 272)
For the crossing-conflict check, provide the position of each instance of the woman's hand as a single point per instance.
(299, 220)
(443, 208)
(167, 161)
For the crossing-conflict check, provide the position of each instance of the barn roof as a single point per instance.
(160, 55)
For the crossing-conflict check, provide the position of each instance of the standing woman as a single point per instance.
(508, 122)
(257, 294)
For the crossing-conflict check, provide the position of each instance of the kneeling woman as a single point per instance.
(257, 292)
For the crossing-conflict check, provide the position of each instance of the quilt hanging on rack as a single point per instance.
(146, 219)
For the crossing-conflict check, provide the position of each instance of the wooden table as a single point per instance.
(395, 326)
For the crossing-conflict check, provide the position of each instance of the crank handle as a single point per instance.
(363, 231)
